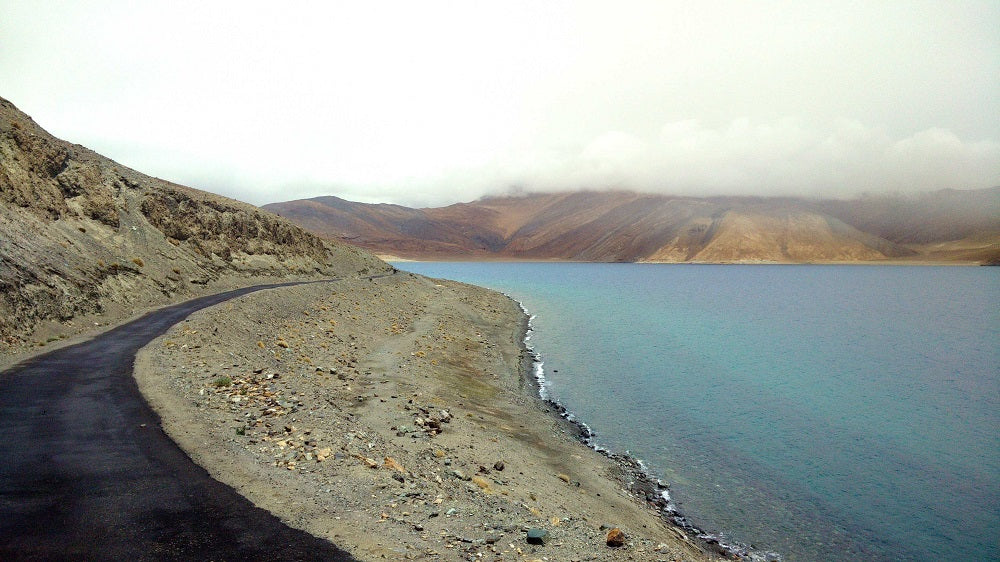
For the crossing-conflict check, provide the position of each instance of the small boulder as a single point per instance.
(616, 537)
(537, 536)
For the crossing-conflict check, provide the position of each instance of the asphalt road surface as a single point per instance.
(86, 472)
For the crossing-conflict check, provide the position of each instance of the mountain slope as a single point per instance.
(923, 218)
(625, 226)
(82, 235)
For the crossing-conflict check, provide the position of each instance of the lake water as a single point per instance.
(820, 412)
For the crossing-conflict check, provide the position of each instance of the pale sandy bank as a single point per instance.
(394, 418)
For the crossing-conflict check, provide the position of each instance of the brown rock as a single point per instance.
(391, 464)
(481, 482)
(616, 537)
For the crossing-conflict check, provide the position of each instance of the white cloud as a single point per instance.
(786, 157)
(434, 102)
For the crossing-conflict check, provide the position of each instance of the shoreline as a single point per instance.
(640, 481)
(633, 474)
(391, 259)
(425, 374)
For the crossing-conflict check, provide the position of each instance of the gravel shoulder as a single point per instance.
(393, 417)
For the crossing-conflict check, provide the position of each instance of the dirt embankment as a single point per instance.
(392, 417)
(85, 241)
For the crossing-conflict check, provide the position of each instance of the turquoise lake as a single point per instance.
(818, 412)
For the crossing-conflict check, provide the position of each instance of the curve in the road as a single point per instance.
(86, 472)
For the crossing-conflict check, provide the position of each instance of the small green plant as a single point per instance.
(241, 430)
(222, 382)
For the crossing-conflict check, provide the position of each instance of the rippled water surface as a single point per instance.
(822, 412)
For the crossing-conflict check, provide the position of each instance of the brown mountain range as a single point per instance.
(618, 226)
(81, 235)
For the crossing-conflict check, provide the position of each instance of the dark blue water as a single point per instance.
(821, 412)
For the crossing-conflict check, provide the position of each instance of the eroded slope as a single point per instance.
(81, 235)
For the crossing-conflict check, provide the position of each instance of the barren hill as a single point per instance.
(81, 235)
(625, 226)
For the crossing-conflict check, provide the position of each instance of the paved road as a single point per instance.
(86, 473)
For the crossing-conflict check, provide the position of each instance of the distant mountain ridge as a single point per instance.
(622, 226)
(83, 235)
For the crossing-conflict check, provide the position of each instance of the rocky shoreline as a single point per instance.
(393, 417)
(632, 474)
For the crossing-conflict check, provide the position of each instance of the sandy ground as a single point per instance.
(393, 417)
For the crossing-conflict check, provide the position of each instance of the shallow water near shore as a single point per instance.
(821, 412)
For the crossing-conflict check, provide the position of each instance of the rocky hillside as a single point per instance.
(81, 235)
(625, 226)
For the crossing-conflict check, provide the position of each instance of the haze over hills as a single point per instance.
(620, 226)
(83, 235)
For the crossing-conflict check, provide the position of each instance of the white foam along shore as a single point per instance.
(655, 490)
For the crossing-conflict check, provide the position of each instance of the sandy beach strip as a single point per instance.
(395, 417)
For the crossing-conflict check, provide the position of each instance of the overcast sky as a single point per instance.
(427, 103)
